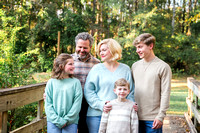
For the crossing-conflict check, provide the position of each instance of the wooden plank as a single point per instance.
(14, 100)
(40, 109)
(196, 106)
(3, 122)
(194, 110)
(9, 91)
(190, 124)
(31, 127)
(194, 86)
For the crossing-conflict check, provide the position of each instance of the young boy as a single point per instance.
(122, 118)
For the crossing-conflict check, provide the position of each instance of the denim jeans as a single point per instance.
(93, 123)
(146, 127)
(51, 128)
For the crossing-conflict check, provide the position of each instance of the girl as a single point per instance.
(63, 97)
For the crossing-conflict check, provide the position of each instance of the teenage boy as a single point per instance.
(152, 79)
(122, 118)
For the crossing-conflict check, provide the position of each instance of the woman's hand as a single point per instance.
(106, 107)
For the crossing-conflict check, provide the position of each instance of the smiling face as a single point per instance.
(105, 53)
(69, 67)
(143, 50)
(122, 92)
(83, 48)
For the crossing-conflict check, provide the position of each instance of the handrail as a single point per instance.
(193, 91)
(12, 98)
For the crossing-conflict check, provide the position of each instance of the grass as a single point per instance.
(41, 77)
(179, 92)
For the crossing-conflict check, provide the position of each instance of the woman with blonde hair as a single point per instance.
(100, 81)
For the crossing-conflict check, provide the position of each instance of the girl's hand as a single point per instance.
(44, 96)
(64, 125)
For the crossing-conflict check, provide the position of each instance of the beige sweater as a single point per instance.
(121, 119)
(152, 88)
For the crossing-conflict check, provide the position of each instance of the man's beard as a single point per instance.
(83, 56)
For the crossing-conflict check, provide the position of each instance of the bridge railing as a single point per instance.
(12, 98)
(193, 104)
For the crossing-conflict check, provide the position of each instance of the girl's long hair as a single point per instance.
(58, 71)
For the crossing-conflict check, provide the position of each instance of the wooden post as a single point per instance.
(58, 48)
(40, 111)
(191, 100)
(3, 122)
(196, 106)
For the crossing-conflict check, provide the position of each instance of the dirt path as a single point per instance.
(176, 123)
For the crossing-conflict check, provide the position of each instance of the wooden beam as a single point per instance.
(3, 122)
(190, 124)
(19, 98)
(194, 86)
(8, 91)
(31, 127)
(194, 110)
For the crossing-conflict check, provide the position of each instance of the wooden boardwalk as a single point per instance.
(175, 124)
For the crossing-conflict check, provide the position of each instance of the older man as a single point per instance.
(83, 62)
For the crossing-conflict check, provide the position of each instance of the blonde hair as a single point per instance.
(146, 38)
(114, 47)
(122, 82)
(58, 71)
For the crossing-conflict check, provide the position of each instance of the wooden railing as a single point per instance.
(16, 97)
(193, 105)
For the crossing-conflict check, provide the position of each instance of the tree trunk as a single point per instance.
(195, 5)
(188, 16)
(169, 3)
(136, 5)
(183, 27)
(173, 17)
(93, 16)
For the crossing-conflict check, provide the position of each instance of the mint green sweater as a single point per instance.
(63, 101)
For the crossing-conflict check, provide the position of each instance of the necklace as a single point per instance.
(147, 64)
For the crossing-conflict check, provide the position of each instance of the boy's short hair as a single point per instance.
(114, 47)
(122, 82)
(146, 38)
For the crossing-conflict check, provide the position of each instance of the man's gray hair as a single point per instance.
(84, 36)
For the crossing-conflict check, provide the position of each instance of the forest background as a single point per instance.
(29, 33)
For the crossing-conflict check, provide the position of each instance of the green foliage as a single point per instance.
(21, 116)
(129, 55)
(180, 51)
(45, 33)
(29, 33)
(13, 68)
